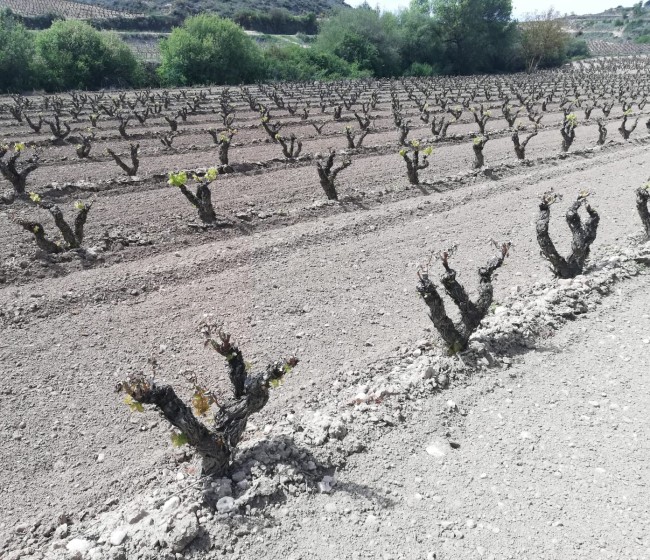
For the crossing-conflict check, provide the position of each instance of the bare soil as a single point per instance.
(541, 471)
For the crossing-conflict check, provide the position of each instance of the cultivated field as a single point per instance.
(288, 271)
(63, 8)
(610, 48)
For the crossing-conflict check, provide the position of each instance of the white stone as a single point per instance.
(61, 531)
(117, 537)
(337, 429)
(436, 450)
(325, 485)
(184, 532)
(171, 505)
(78, 545)
(96, 553)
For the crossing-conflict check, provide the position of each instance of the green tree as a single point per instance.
(73, 55)
(293, 62)
(365, 37)
(420, 6)
(543, 42)
(16, 53)
(478, 34)
(420, 41)
(209, 49)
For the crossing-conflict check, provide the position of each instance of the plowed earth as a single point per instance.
(333, 283)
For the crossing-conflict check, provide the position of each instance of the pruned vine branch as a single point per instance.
(583, 235)
(456, 336)
(216, 441)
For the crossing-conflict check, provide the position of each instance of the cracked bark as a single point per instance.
(327, 175)
(472, 312)
(215, 445)
(202, 201)
(520, 147)
(642, 197)
(583, 235)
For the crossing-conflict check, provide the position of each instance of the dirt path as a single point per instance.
(551, 463)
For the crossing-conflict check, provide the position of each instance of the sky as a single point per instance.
(520, 7)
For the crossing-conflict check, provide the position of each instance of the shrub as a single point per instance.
(73, 55)
(223, 140)
(642, 199)
(130, 170)
(365, 37)
(625, 132)
(12, 170)
(295, 63)
(60, 130)
(477, 145)
(602, 131)
(209, 49)
(519, 145)
(16, 53)
(577, 48)
(291, 146)
(85, 145)
(568, 131)
(327, 174)
(419, 69)
(355, 137)
(277, 21)
(481, 117)
(413, 163)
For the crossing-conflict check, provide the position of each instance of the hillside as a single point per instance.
(63, 8)
(227, 8)
(617, 31)
(268, 16)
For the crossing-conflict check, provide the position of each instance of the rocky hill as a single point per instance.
(616, 25)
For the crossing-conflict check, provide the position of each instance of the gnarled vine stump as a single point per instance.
(583, 235)
(471, 312)
(214, 444)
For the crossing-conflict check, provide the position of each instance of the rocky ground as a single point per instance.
(528, 445)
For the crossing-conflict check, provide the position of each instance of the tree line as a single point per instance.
(431, 37)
